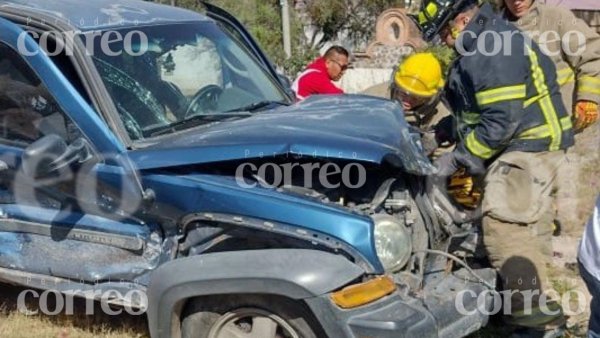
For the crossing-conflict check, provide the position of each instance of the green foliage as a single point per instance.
(357, 17)
(330, 17)
(444, 54)
(299, 60)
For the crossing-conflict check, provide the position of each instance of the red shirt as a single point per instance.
(314, 80)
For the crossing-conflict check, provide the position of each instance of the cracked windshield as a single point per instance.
(178, 76)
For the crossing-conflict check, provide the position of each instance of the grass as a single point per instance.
(15, 324)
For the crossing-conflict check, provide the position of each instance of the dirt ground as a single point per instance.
(586, 183)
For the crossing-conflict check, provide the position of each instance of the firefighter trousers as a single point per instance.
(517, 227)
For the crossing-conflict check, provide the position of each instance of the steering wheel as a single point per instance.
(234, 65)
(206, 98)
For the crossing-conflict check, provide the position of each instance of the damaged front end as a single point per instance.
(374, 208)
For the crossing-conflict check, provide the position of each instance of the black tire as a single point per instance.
(202, 314)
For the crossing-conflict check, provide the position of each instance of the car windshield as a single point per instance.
(166, 78)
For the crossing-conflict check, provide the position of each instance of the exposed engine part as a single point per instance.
(382, 193)
(461, 263)
(436, 232)
(398, 202)
(470, 243)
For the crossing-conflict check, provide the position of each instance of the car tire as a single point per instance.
(252, 315)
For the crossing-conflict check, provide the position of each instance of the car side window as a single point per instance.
(27, 110)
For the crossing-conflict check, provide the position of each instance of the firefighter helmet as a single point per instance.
(435, 14)
(420, 74)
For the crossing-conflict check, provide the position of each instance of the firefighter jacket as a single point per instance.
(571, 44)
(503, 92)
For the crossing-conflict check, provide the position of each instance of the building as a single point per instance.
(588, 10)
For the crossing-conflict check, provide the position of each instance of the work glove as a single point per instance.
(449, 163)
(586, 113)
(446, 165)
(437, 184)
(463, 189)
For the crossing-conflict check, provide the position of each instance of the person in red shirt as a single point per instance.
(318, 76)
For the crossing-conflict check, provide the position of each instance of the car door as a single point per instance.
(233, 26)
(59, 216)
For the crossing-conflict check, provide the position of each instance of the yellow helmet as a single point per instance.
(420, 74)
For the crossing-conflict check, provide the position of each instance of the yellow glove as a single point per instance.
(462, 188)
(586, 113)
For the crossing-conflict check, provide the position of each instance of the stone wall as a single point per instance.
(396, 36)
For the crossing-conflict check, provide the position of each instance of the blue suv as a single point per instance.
(153, 151)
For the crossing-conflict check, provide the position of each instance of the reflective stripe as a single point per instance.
(501, 94)
(532, 100)
(589, 84)
(470, 118)
(543, 131)
(545, 102)
(430, 12)
(565, 75)
(477, 148)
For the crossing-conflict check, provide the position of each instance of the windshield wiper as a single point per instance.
(258, 105)
(244, 111)
(197, 119)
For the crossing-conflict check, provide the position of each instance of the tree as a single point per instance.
(353, 18)
(263, 20)
(332, 20)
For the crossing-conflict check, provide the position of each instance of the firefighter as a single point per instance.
(417, 85)
(575, 50)
(558, 32)
(512, 126)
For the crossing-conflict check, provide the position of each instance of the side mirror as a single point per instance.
(51, 153)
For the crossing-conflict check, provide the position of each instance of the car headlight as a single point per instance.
(392, 242)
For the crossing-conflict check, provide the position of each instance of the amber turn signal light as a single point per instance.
(360, 294)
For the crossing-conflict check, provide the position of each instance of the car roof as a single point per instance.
(102, 14)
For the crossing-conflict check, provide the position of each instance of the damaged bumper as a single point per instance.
(449, 305)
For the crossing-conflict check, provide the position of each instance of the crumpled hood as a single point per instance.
(351, 127)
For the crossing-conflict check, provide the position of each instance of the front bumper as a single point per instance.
(452, 305)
